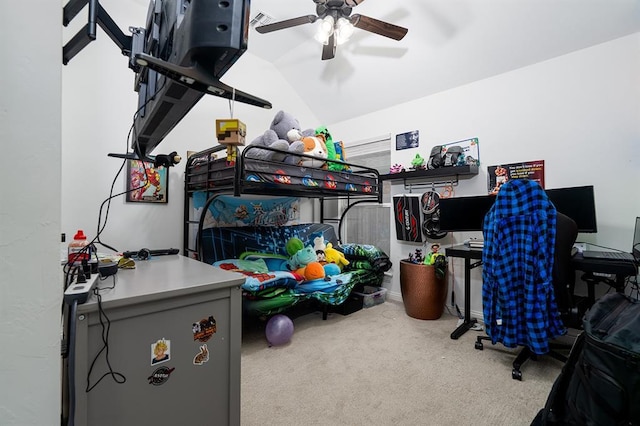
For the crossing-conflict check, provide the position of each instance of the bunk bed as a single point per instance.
(258, 249)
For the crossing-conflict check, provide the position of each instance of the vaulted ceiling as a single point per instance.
(449, 43)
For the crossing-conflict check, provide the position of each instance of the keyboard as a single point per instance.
(608, 255)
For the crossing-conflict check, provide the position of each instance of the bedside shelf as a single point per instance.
(442, 172)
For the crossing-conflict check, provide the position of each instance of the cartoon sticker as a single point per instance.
(204, 329)
(202, 356)
(160, 351)
(160, 376)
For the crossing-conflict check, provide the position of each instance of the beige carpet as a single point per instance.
(378, 366)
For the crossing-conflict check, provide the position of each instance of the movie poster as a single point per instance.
(499, 175)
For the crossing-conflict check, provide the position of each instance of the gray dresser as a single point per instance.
(174, 336)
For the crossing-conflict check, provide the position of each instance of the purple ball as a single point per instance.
(279, 330)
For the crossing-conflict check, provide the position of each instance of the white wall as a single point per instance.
(98, 106)
(30, 288)
(578, 112)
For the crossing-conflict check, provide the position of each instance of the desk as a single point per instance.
(468, 254)
(621, 269)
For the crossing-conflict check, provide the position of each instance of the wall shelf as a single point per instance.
(439, 173)
(440, 177)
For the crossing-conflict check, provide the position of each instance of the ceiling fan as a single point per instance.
(337, 24)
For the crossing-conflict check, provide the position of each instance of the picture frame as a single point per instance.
(146, 183)
(408, 140)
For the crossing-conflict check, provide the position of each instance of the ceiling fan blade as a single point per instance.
(329, 49)
(378, 27)
(287, 23)
(353, 3)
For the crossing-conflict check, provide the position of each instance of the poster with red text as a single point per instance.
(500, 174)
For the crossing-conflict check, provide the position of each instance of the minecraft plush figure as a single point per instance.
(231, 132)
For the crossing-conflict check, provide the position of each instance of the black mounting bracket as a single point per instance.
(97, 16)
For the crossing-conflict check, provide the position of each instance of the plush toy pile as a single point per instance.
(316, 260)
(287, 137)
(306, 263)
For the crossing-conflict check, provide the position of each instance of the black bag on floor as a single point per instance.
(600, 383)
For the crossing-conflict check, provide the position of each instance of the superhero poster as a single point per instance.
(146, 183)
(500, 174)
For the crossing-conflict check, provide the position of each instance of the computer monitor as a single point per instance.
(464, 213)
(467, 213)
(579, 204)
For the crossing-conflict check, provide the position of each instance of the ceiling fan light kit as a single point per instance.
(337, 24)
(343, 29)
(325, 29)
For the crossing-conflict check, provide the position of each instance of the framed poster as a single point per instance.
(407, 140)
(498, 175)
(146, 183)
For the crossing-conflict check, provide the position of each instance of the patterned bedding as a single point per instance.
(270, 288)
(271, 292)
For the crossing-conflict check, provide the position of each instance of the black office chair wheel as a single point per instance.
(479, 346)
(516, 374)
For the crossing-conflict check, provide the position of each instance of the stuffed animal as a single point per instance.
(302, 258)
(284, 134)
(341, 155)
(331, 149)
(315, 146)
(334, 256)
(294, 244)
(288, 128)
(317, 240)
(313, 271)
(269, 139)
(331, 269)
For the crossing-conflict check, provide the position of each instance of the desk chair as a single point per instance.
(527, 273)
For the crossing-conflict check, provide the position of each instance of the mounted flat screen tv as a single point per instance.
(467, 213)
(187, 46)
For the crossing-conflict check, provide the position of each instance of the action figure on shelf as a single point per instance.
(417, 257)
(418, 163)
(437, 259)
(430, 258)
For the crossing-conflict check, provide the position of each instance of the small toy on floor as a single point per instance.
(279, 330)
